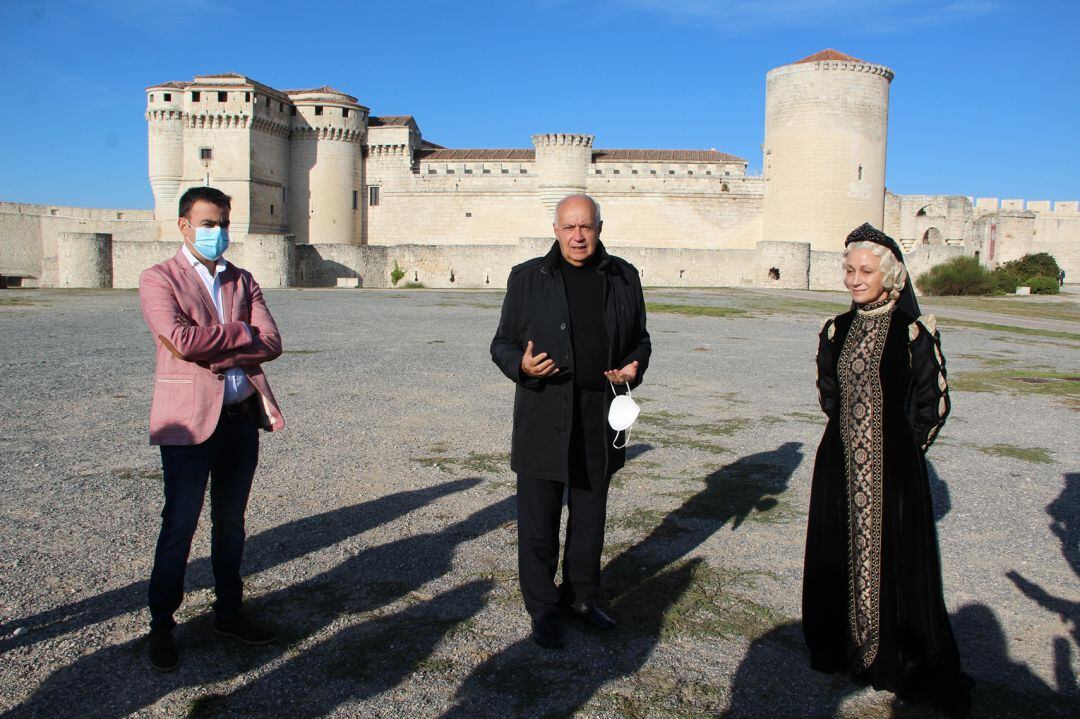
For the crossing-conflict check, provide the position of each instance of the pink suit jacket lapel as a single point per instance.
(191, 275)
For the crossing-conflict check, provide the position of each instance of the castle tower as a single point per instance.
(325, 166)
(165, 125)
(826, 121)
(562, 162)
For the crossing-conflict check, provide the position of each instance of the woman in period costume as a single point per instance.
(872, 595)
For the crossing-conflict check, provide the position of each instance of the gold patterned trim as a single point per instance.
(859, 374)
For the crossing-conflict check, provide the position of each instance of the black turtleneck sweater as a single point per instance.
(585, 296)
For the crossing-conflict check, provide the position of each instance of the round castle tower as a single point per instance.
(562, 161)
(826, 122)
(164, 117)
(324, 175)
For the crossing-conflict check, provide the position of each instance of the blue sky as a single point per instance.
(986, 99)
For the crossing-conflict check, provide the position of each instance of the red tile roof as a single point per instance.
(828, 54)
(663, 156)
(491, 155)
(390, 120)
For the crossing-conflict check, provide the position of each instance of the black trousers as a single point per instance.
(228, 459)
(539, 511)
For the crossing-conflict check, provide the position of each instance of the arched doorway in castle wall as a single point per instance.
(932, 236)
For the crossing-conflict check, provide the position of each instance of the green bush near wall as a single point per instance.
(965, 276)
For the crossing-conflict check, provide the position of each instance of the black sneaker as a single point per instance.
(161, 650)
(547, 632)
(238, 627)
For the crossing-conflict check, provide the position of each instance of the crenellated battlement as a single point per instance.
(341, 134)
(549, 139)
(994, 204)
(386, 150)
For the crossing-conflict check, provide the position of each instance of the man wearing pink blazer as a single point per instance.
(213, 332)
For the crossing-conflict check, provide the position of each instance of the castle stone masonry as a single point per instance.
(326, 194)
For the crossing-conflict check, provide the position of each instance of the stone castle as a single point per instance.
(326, 194)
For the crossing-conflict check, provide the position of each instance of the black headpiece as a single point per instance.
(868, 233)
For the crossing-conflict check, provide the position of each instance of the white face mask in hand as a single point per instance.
(621, 416)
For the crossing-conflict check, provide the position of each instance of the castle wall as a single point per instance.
(29, 235)
(129, 259)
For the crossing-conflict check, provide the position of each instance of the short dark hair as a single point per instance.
(205, 194)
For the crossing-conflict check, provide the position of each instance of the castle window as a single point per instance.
(708, 172)
(468, 171)
(505, 171)
(344, 112)
(689, 172)
(432, 171)
(373, 196)
(293, 110)
(652, 172)
(727, 172)
(281, 107)
(222, 97)
(318, 109)
(355, 199)
(168, 97)
(615, 172)
(271, 209)
(468, 214)
(487, 171)
(598, 172)
(247, 97)
(633, 172)
(195, 95)
(523, 171)
(671, 172)
(151, 98)
(860, 172)
(205, 153)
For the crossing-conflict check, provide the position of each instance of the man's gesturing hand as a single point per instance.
(537, 365)
(627, 374)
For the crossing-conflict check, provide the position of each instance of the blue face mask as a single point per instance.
(211, 242)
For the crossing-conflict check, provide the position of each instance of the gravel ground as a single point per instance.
(381, 537)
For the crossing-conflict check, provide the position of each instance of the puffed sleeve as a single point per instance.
(929, 404)
(828, 392)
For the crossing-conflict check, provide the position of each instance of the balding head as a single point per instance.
(577, 226)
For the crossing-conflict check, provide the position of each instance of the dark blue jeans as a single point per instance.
(228, 459)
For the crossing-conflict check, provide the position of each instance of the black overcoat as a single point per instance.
(535, 308)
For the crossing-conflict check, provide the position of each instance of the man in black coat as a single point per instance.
(567, 319)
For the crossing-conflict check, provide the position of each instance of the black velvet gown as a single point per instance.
(872, 592)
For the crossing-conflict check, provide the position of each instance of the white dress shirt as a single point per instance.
(237, 386)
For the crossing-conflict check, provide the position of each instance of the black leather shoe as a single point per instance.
(591, 613)
(161, 650)
(238, 627)
(547, 633)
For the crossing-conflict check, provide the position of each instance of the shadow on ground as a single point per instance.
(116, 681)
(649, 584)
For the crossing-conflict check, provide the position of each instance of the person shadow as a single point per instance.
(940, 497)
(1064, 512)
(265, 550)
(647, 583)
(115, 681)
(775, 678)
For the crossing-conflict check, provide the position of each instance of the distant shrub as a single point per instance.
(413, 285)
(1041, 264)
(396, 274)
(1006, 281)
(958, 276)
(1042, 285)
(1021, 272)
